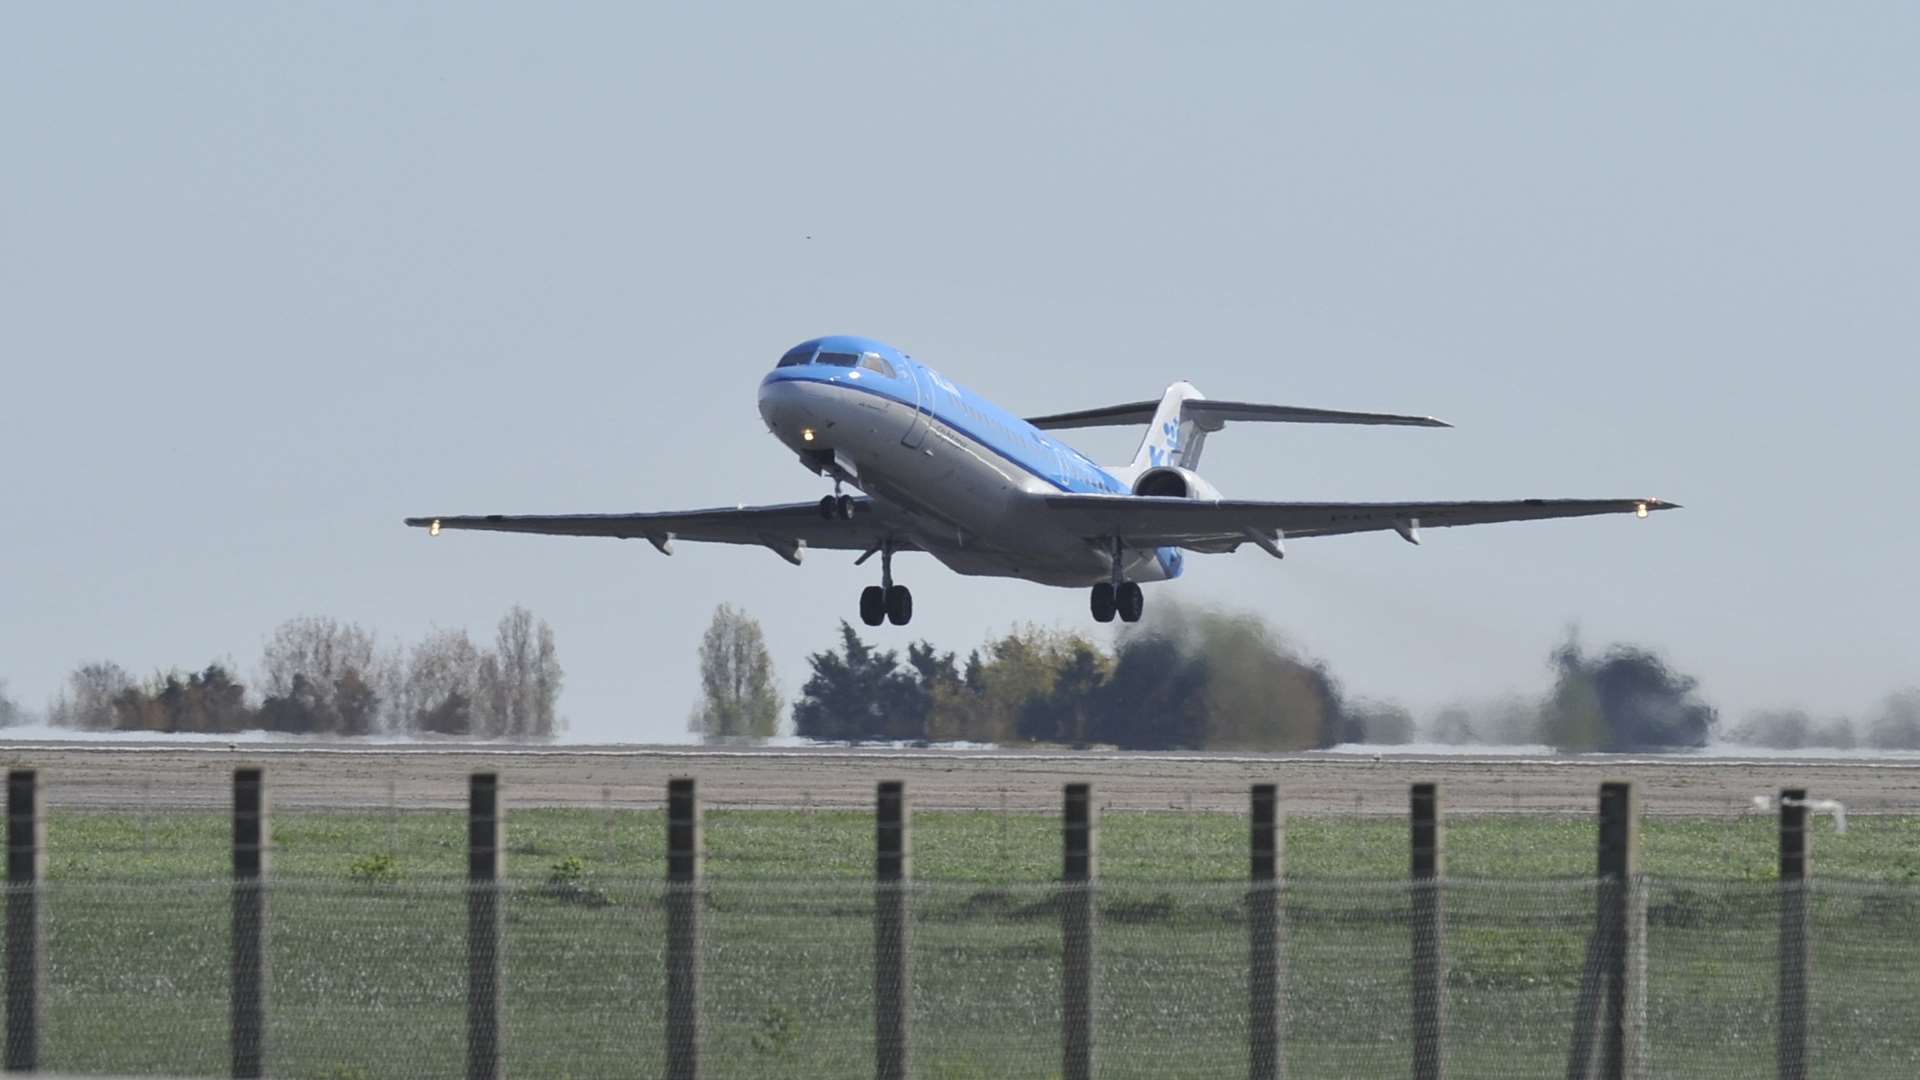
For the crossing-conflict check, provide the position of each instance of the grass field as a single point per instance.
(971, 847)
(367, 945)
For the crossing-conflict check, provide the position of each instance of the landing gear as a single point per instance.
(886, 602)
(899, 605)
(1117, 597)
(1125, 601)
(836, 507)
(1103, 602)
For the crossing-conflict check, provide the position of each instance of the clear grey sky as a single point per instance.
(272, 277)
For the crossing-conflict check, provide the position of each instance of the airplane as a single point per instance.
(944, 471)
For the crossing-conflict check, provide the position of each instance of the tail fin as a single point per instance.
(1171, 438)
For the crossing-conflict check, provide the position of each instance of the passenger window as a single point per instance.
(796, 356)
(874, 362)
(838, 359)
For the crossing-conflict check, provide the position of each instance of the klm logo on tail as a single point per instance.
(1169, 454)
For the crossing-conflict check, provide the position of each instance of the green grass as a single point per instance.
(368, 950)
(979, 847)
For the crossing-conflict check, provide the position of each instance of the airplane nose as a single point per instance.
(783, 406)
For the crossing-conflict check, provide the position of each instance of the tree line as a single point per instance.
(1202, 679)
(320, 676)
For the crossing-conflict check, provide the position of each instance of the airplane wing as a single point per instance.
(1147, 521)
(788, 528)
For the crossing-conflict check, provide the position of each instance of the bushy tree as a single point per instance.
(201, 701)
(738, 695)
(1504, 721)
(520, 680)
(1627, 699)
(1155, 698)
(1381, 723)
(10, 713)
(1191, 678)
(349, 707)
(1066, 712)
(1898, 725)
(88, 702)
(1012, 687)
(443, 684)
(858, 692)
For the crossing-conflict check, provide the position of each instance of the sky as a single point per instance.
(274, 276)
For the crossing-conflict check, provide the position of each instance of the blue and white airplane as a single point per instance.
(944, 471)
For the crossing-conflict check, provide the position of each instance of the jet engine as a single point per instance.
(1172, 482)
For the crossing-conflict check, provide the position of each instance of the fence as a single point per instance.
(692, 975)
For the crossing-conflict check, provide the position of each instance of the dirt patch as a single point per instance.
(95, 776)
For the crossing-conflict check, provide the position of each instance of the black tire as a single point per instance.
(899, 605)
(827, 507)
(1103, 602)
(873, 605)
(843, 507)
(1130, 602)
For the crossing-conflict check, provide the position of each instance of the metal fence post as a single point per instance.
(26, 933)
(485, 969)
(1623, 1051)
(1796, 856)
(892, 985)
(1080, 833)
(1265, 931)
(1612, 1009)
(1429, 936)
(683, 930)
(248, 1017)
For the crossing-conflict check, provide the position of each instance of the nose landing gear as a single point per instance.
(836, 507)
(886, 602)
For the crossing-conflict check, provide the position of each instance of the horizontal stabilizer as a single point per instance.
(1210, 415)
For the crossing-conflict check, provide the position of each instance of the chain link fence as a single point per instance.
(369, 978)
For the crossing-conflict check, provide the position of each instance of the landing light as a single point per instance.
(1640, 510)
(434, 529)
(806, 434)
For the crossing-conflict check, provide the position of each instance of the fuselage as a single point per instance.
(962, 474)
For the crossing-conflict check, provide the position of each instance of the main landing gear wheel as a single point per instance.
(1104, 603)
(899, 605)
(1124, 600)
(873, 604)
(885, 602)
(834, 507)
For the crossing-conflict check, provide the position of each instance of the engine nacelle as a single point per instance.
(1172, 482)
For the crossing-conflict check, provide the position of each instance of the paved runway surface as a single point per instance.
(342, 776)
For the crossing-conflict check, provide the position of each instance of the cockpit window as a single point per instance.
(796, 356)
(873, 361)
(838, 359)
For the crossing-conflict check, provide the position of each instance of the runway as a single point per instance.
(344, 776)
